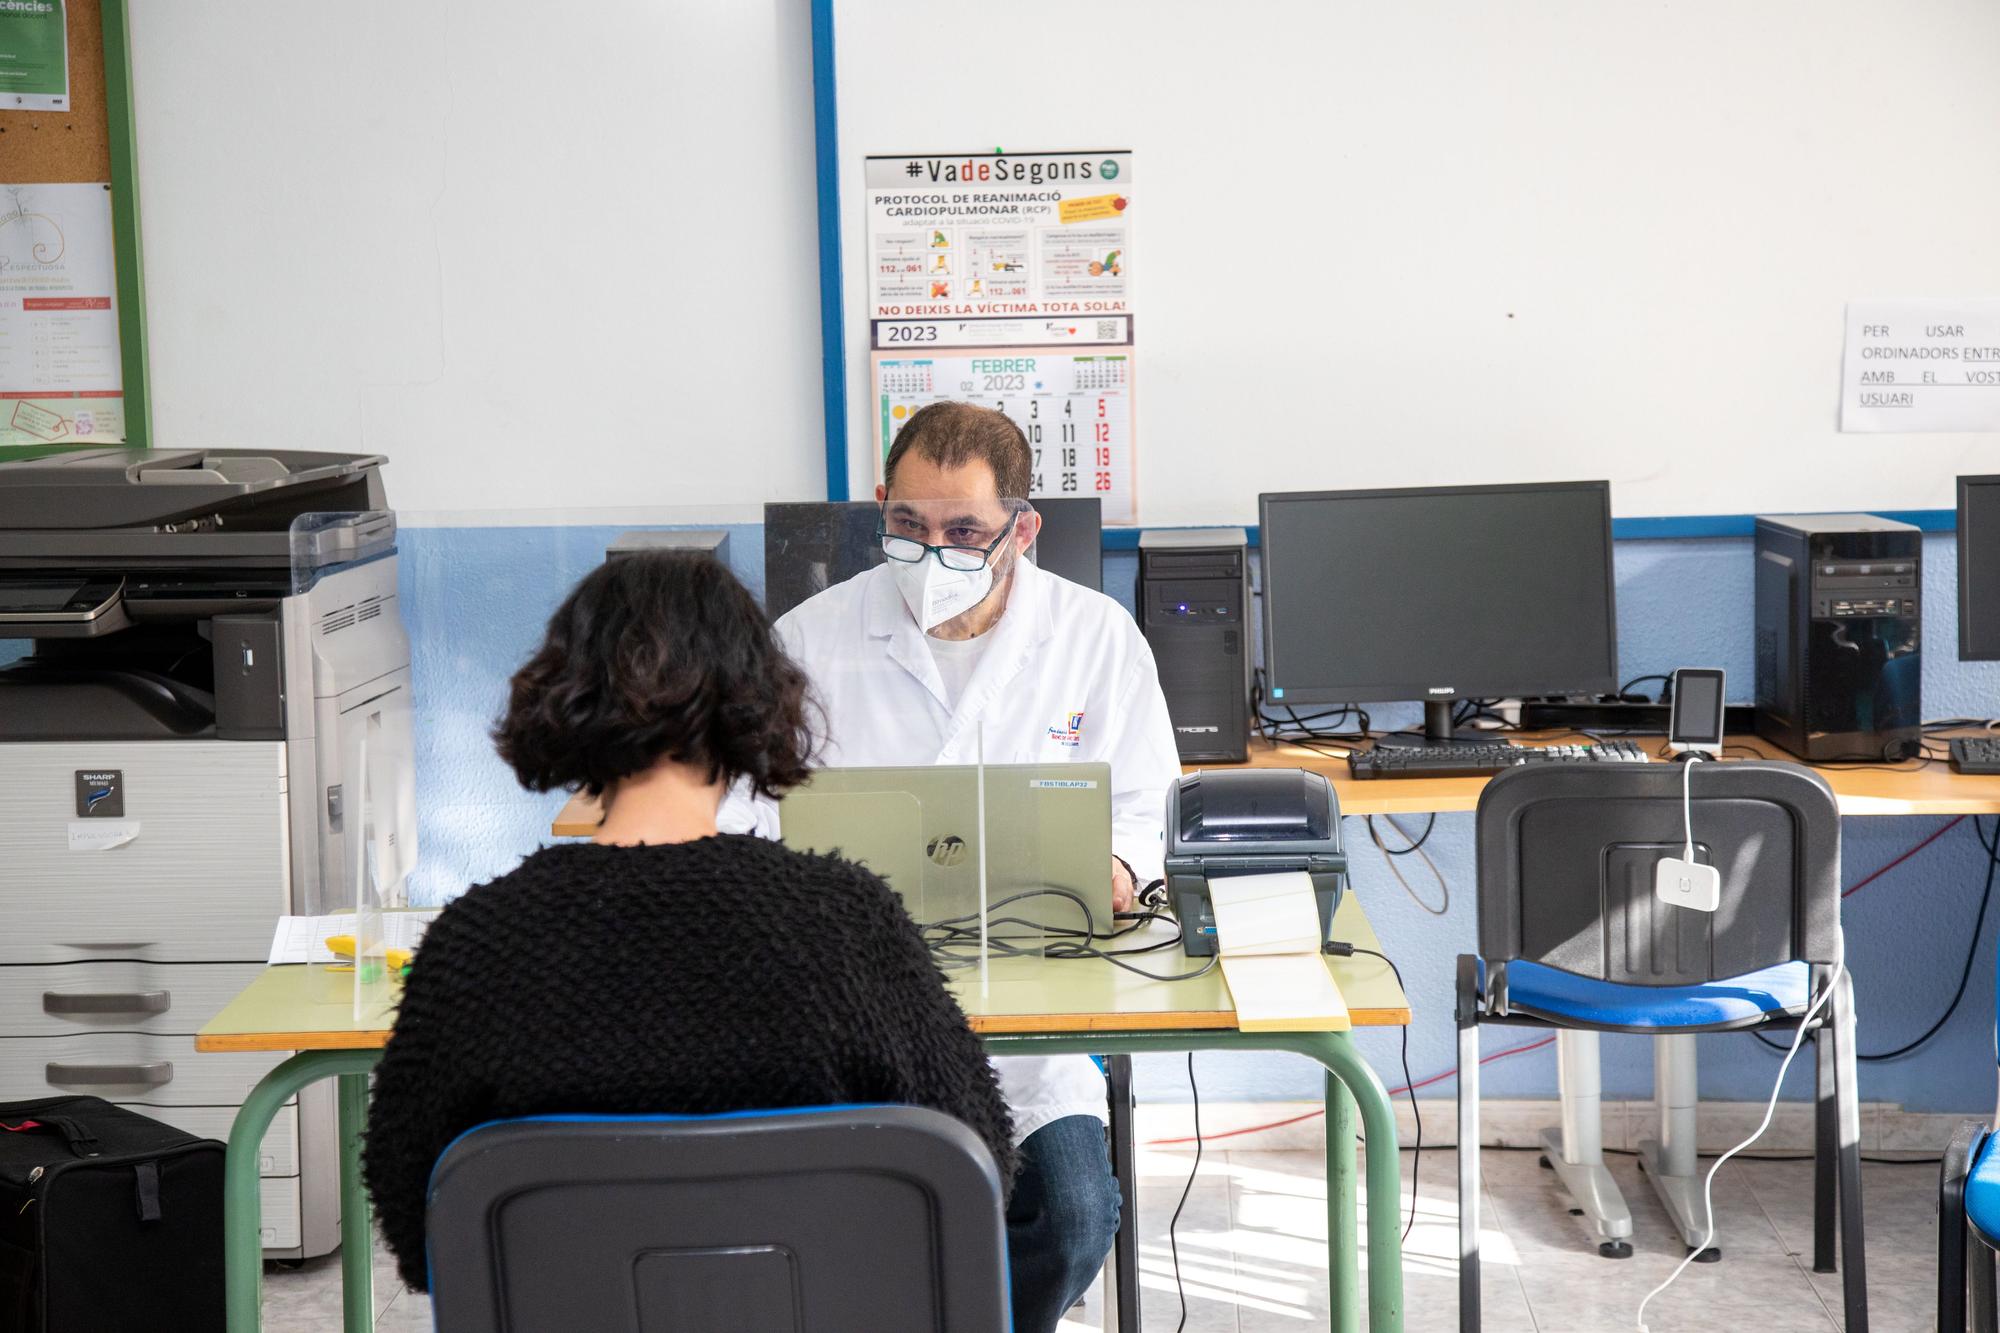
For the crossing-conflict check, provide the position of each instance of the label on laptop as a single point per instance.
(1061, 784)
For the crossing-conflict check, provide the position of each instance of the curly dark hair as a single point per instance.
(660, 655)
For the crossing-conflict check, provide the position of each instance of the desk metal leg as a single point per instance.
(1333, 1051)
(357, 1239)
(1385, 1178)
(1124, 1166)
(242, 1214)
(1343, 1227)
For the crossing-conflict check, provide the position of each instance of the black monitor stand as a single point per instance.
(1437, 731)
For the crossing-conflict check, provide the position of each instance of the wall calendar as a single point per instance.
(1073, 404)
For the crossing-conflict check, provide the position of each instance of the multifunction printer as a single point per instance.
(204, 725)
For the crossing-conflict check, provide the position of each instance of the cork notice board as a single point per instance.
(59, 147)
(91, 143)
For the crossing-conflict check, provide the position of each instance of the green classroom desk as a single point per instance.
(1025, 1006)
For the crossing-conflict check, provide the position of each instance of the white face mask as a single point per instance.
(935, 594)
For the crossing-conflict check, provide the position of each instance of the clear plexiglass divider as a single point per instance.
(343, 565)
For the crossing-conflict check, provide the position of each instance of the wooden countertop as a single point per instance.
(1910, 788)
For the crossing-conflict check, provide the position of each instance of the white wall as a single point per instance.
(1451, 240)
(539, 255)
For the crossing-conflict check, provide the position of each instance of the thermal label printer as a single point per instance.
(204, 725)
(1253, 821)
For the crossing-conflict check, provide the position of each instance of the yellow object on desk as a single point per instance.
(343, 946)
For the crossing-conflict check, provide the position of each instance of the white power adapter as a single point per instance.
(1688, 884)
(1680, 881)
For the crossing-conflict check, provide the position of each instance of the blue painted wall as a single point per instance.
(475, 600)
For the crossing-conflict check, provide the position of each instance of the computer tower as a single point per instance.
(1194, 600)
(1839, 673)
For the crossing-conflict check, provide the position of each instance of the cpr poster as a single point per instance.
(1028, 258)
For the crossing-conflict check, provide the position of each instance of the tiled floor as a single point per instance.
(1253, 1260)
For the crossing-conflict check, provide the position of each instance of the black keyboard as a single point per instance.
(1976, 754)
(1483, 760)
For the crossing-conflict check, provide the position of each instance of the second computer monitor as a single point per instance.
(1979, 569)
(1438, 594)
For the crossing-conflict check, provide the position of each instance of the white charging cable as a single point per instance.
(1770, 1109)
(1687, 808)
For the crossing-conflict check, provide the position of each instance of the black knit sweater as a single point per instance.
(699, 977)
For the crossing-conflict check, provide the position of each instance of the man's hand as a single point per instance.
(1123, 890)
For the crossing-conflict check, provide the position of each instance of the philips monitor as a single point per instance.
(1979, 569)
(1438, 594)
(811, 545)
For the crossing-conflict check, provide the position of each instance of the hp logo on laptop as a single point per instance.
(947, 851)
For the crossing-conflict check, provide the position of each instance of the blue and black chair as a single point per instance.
(1968, 1230)
(844, 1219)
(1572, 937)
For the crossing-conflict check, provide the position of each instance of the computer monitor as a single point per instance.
(1979, 569)
(1439, 594)
(1072, 540)
(811, 545)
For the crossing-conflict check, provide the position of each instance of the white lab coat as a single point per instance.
(1066, 678)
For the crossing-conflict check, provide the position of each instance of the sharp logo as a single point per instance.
(101, 794)
(1442, 689)
(1199, 731)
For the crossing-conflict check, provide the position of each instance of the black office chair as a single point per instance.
(817, 1220)
(1571, 935)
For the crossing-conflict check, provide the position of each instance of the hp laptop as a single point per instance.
(1047, 826)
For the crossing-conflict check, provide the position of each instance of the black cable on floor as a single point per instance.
(1415, 843)
(1173, 1242)
(1992, 850)
(1409, 1081)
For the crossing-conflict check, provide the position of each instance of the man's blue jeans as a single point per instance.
(1060, 1220)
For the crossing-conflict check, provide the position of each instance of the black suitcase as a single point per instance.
(108, 1221)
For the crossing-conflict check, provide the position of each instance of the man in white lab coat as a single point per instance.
(958, 641)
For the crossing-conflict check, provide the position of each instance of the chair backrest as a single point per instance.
(821, 1220)
(1566, 865)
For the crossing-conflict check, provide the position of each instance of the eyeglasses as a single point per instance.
(963, 559)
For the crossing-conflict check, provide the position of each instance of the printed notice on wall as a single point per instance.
(59, 361)
(1026, 257)
(1921, 366)
(34, 56)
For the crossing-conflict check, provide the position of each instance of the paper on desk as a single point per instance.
(1268, 933)
(302, 939)
(1265, 913)
(1285, 992)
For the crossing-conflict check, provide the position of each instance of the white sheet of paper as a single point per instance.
(302, 939)
(61, 368)
(1268, 933)
(1275, 913)
(1285, 992)
(1921, 366)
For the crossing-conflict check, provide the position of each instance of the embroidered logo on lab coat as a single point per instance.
(1069, 732)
